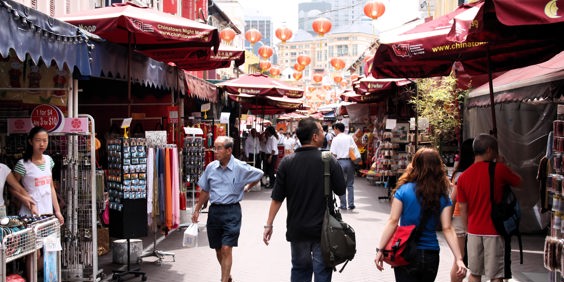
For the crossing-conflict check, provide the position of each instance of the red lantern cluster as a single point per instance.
(253, 36)
(297, 75)
(321, 26)
(374, 9)
(283, 33)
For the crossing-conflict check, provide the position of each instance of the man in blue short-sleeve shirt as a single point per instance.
(223, 183)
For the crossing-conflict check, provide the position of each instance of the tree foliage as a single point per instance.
(438, 100)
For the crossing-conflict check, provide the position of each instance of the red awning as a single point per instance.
(222, 59)
(197, 87)
(161, 36)
(259, 84)
(507, 84)
(530, 12)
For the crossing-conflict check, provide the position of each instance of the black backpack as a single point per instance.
(506, 217)
(338, 240)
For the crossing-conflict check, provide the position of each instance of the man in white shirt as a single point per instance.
(340, 146)
(252, 148)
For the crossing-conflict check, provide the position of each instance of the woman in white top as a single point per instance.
(16, 189)
(34, 172)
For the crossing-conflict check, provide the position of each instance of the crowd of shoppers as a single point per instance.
(424, 193)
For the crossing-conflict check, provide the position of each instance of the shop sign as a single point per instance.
(47, 116)
(69, 125)
(172, 114)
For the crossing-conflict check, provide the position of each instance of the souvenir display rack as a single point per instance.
(23, 236)
(391, 162)
(74, 178)
(193, 154)
(127, 184)
(554, 243)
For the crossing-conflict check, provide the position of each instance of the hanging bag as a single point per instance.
(338, 241)
(401, 249)
(190, 238)
(506, 217)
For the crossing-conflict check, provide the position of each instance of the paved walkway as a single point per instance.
(253, 261)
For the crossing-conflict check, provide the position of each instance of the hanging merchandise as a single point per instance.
(193, 158)
(127, 180)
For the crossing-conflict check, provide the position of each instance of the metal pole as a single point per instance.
(492, 103)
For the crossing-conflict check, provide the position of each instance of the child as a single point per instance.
(34, 172)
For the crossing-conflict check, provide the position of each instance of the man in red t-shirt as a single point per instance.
(485, 245)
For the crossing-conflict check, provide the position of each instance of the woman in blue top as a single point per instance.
(423, 188)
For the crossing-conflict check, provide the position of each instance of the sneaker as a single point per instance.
(343, 208)
(352, 207)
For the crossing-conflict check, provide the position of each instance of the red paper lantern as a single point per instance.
(317, 77)
(337, 63)
(274, 71)
(265, 51)
(304, 60)
(374, 9)
(344, 83)
(299, 67)
(297, 75)
(321, 26)
(264, 65)
(227, 35)
(327, 87)
(253, 36)
(311, 88)
(337, 78)
(283, 33)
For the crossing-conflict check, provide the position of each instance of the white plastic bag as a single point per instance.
(190, 239)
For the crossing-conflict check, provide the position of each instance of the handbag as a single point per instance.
(338, 241)
(401, 249)
(354, 155)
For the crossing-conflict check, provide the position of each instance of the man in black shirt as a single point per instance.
(300, 181)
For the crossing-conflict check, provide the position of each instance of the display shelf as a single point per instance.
(46, 228)
(16, 245)
(554, 243)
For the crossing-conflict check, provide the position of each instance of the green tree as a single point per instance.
(438, 100)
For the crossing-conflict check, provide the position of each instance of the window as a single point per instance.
(342, 50)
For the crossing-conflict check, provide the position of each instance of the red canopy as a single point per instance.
(428, 50)
(530, 12)
(370, 84)
(222, 59)
(159, 35)
(259, 102)
(259, 84)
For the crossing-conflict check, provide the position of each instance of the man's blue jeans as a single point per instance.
(307, 260)
(348, 170)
